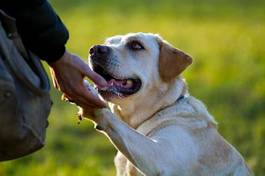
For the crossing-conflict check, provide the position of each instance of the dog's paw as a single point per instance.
(102, 118)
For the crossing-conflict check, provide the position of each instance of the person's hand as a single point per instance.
(68, 74)
(88, 111)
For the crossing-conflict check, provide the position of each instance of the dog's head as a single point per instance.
(135, 64)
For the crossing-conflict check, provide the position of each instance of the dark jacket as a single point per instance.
(40, 28)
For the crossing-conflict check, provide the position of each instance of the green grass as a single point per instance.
(226, 39)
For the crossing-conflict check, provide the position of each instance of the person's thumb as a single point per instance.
(96, 78)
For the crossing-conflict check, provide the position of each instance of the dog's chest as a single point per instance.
(124, 166)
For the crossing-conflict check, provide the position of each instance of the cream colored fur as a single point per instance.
(154, 132)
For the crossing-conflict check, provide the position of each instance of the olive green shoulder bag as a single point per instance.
(24, 95)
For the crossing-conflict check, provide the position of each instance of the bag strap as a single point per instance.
(9, 25)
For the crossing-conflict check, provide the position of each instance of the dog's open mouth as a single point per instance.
(117, 86)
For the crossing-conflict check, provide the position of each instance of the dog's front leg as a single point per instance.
(146, 154)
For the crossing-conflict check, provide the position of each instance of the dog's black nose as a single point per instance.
(99, 50)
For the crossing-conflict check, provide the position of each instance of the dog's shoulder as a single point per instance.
(186, 112)
(200, 110)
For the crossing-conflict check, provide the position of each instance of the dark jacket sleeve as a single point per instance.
(40, 28)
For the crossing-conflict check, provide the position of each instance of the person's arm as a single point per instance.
(40, 28)
(44, 34)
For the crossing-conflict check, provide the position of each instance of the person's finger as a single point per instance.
(96, 78)
(83, 103)
(78, 91)
(92, 100)
(78, 100)
(81, 95)
(88, 97)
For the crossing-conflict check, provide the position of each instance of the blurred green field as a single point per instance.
(226, 39)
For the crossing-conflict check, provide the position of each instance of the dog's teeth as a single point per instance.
(129, 83)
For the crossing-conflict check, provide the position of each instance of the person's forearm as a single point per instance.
(40, 28)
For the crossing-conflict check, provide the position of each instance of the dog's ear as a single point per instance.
(172, 61)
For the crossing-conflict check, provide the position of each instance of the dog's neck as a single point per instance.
(143, 108)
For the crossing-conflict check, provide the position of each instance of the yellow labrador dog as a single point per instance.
(156, 126)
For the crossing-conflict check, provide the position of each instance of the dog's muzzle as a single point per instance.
(100, 54)
(103, 63)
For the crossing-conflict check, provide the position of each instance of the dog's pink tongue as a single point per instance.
(120, 83)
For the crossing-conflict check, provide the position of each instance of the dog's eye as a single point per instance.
(135, 45)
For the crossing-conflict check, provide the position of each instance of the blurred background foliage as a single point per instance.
(226, 39)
